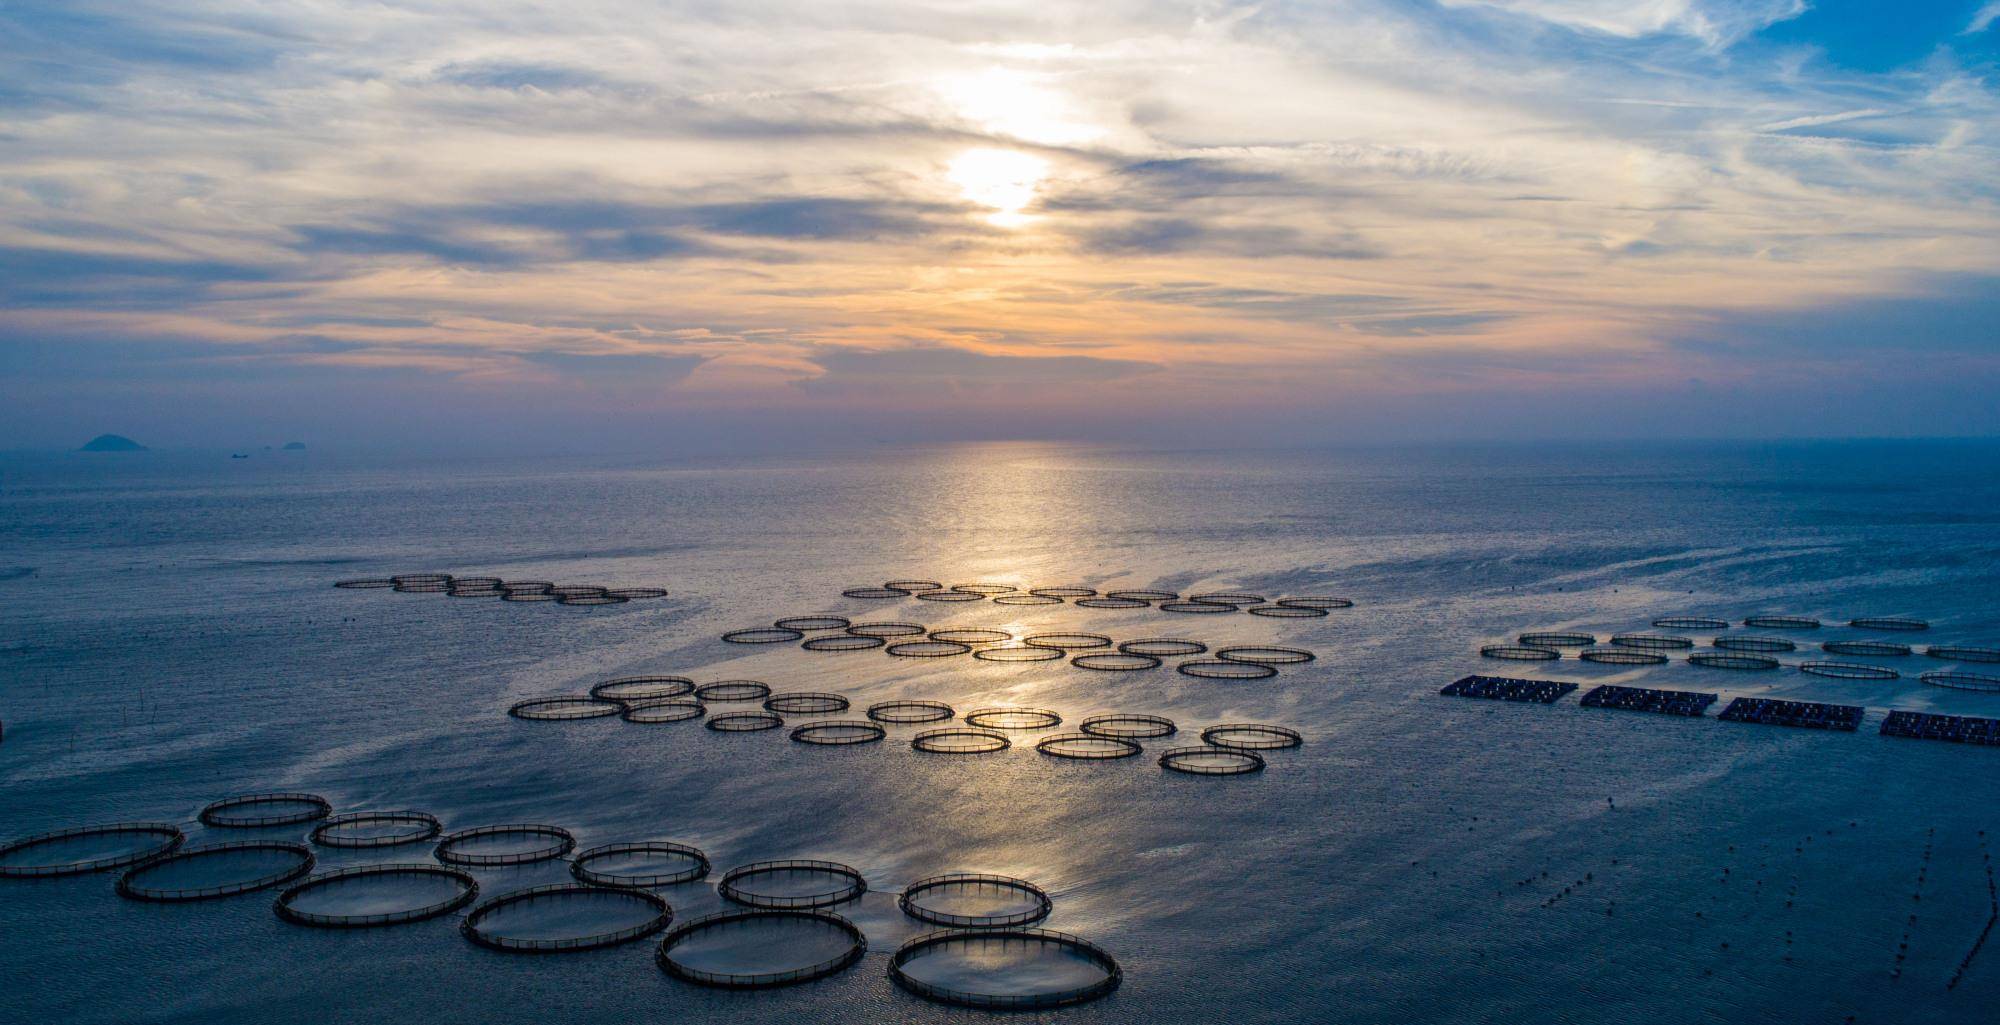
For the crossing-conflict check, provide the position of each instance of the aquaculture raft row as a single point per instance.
(1691, 703)
(1805, 714)
(1958, 729)
(1501, 688)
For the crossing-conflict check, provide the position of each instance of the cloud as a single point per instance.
(1983, 18)
(940, 372)
(1716, 22)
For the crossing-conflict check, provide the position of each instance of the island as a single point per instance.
(112, 443)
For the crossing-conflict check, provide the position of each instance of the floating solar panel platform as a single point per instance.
(1811, 715)
(1502, 688)
(1691, 703)
(1958, 729)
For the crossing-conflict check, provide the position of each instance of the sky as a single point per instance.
(619, 223)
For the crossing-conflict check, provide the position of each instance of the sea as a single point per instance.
(170, 635)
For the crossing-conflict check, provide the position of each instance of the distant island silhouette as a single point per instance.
(295, 446)
(112, 443)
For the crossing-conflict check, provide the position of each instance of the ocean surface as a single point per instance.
(170, 636)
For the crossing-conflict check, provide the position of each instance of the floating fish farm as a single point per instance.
(1958, 729)
(1691, 703)
(1501, 688)
(1812, 715)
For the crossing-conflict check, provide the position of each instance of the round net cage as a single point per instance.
(1849, 671)
(1287, 612)
(639, 864)
(1963, 653)
(364, 585)
(723, 691)
(528, 585)
(423, 587)
(1782, 622)
(1519, 653)
(753, 948)
(216, 870)
(1767, 645)
(1557, 639)
(591, 599)
(83, 849)
(559, 709)
(1229, 670)
(843, 642)
(1876, 648)
(839, 732)
(1129, 726)
(1230, 598)
(476, 592)
(928, 649)
(1018, 653)
(973, 900)
(566, 916)
(792, 884)
(1205, 760)
(910, 711)
(509, 844)
(1067, 641)
(950, 596)
(1142, 595)
(744, 722)
(1265, 654)
(1008, 969)
(960, 740)
(1064, 592)
(255, 811)
(885, 630)
(1963, 681)
(1657, 642)
(420, 578)
(985, 588)
(1617, 657)
(968, 635)
(809, 623)
(642, 688)
(1026, 599)
(768, 635)
(637, 593)
(654, 711)
(1314, 601)
(913, 586)
(476, 581)
(805, 702)
(1198, 608)
(1115, 662)
(1691, 623)
(579, 591)
(1108, 602)
(1712, 660)
(361, 830)
(1250, 736)
(1012, 717)
(528, 596)
(1088, 747)
(874, 592)
(1888, 623)
(1163, 647)
(373, 895)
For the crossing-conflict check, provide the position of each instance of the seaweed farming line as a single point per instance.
(1992, 916)
(1208, 603)
(588, 595)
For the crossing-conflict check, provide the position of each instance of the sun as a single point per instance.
(1002, 179)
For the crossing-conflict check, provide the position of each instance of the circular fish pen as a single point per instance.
(1163, 647)
(756, 949)
(1880, 649)
(1067, 641)
(1963, 681)
(1250, 736)
(733, 690)
(1691, 623)
(256, 811)
(1228, 670)
(874, 593)
(910, 711)
(1026, 599)
(637, 593)
(1312, 601)
(973, 900)
(591, 599)
(1750, 663)
(375, 895)
(928, 649)
(419, 578)
(1108, 602)
(1230, 598)
(1012, 717)
(563, 709)
(363, 830)
(1519, 653)
(1557, 639)
(1009, 969)
(1115, 662)
(639, 864)
(971, 635)
(664, 710)
(1018, 653)
(1204, 760)
(579, 591)
(839, 732)
(362, 585)
(1197, 608)
(1064, 592)
(1657, 642)
(950, 596)
(1142, 595)
(791, 884)
(1615, 657)
(81, 849)
(804, 702)
(510, 844)
(913, 586)
(1963, 653)
(1287, 612)
(1766, 645)
(960, 740)
(985, 589)
(1849, 671)
(528, 596)
(1265, 654)
(843, 642)
(1888, 623)
(1128, 726)
(882, 630)
(744, 722)
(216, 870)
(1782, 622)
(810, 623)
(566, 916)
(763, 635)
(642, 688)
(1086, 747)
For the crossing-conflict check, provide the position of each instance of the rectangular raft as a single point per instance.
(1811, 715)
(1691, 703)
(1503, 688)
(1958, 729)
